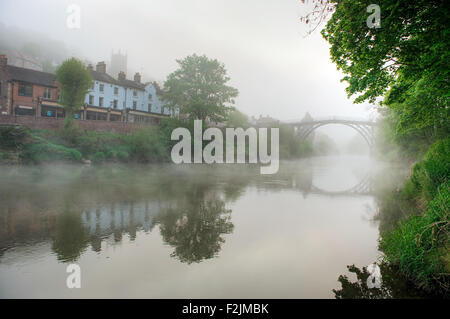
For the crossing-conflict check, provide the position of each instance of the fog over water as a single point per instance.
(187, 231)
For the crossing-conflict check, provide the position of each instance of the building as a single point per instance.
(29, 92)
(126, 100)
(104, 100)
(119, 63)
(23, 91)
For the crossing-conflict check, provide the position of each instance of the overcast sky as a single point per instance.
(277, 70)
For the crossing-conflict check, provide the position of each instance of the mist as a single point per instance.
(278, 70)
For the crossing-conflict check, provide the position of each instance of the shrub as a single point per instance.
(433, 170)
(47, 152)
(98, 157)
(419, 245)
(70, 135)
(145, 145)
(110, 154)
(123, 156)
(12, 136)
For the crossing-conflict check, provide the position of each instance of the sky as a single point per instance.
(278, 70)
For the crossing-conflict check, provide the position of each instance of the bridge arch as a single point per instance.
(364, 128)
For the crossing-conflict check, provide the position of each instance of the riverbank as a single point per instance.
(151, 144)
(417, 241)
(20, 145)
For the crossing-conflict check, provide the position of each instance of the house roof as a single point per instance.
(103, 77)
(131, 84)
(31, 76)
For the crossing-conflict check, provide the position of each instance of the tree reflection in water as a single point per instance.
(391, 209)
(393, 285)
(70, 238)
(195, 227)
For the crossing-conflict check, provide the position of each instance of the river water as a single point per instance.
(194, 231)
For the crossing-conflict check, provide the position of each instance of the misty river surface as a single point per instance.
(186, 231)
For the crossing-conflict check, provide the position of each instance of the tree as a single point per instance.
(75, 81)
(198, 88)
(410, 41)
(405, 61)
(237, 119)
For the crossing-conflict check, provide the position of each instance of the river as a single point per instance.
(192, 231)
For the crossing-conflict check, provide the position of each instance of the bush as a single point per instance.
(110, 154)
(419, 245)
(47, 152)
(98, 157)
(70, 135)
(12, 136)
(433, 170)
(123, 156)
(146, 145)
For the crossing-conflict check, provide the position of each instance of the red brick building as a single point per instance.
(22, 90)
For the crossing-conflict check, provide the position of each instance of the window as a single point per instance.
(100, 101)
(102, 87)
(149, 96)
(115, 104)
(47, 93)
(134, 93)
(134, 105)
(25, 89)
(93, 85)
(149, 107)
(91, 100)
(116, 91)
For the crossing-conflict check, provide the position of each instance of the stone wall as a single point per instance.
(54, 124)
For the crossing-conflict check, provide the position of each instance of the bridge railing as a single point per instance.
(330, 118)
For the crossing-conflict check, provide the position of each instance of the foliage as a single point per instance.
(411, 40)
(98, 157)
(40, 152)
(75, 81)
(146, 146)
(419, 246)
(432, 171)
(406, 61)
(198, 88)
(237, 119)
(12, 136)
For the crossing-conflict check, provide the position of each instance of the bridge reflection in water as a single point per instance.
(363, 188)
(190, 203)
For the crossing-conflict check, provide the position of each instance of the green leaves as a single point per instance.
(199, 89)
(75, 81)
(406, 61)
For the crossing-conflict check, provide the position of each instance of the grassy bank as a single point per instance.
(419, 245)
(146, 145)
(151, 144)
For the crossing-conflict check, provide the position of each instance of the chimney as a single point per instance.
(137, 77)
(90, 67)
(122, 76)
(3, 60)
(101, 67)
